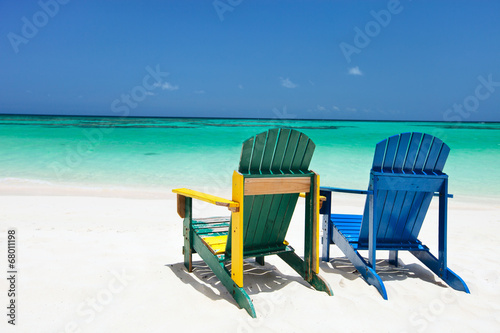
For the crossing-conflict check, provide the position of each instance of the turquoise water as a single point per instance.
(164, 153)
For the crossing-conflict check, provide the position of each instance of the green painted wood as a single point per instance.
(251, 217)
(286, 163)
(209, 227)
(266, 218)
(269, 151)
(302, 146)
(246, 155)
(188, 235)
(299, 265)
(308, 233)
(258, 153)
(239, 294)
(265, 224)
(274, 223)
(279, 150)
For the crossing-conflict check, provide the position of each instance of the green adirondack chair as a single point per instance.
(273, 171)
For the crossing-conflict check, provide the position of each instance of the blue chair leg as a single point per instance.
(368, 273)
(325, 239)
(393, 258)
(446, 274)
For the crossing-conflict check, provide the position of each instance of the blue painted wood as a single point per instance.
(329, 189)
(402, 221)
(378, 159)
(391, 224)
(443, 155)
(390, 154)
(404, 140)
(412, 152)
(419, 220)
(406, 174)
(422, 153)
(433, 156)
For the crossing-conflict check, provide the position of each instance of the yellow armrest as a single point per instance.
(231, 205)
(321, 197)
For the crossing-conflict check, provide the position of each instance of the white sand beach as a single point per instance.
(94, 262)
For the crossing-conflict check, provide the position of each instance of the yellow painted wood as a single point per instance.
(316, 225)
(322, 198)
(237, 231)
(207, 198)
(278, 185)
(216, 244)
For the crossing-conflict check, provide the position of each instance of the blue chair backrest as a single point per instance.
(401, 212)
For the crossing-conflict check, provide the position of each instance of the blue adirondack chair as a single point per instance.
(407, 172)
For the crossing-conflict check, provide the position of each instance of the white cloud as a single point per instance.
(287, 83)
(355, 71)
(149, 93)
(199, 92)
(240, 86)
(320, 108)
(166, 86)
(336, 108)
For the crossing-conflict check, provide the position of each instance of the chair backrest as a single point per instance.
(401, 212)
(276, 153)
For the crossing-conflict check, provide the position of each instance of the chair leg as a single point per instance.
(368, 273)
(446, 274)
(325, 239)
(188, 258)
(296, 262)
(239, 294)
(260, 260)
(187, 231)
(393, 258)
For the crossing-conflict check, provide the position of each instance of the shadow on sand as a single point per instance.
(386, 271)
(257, 279)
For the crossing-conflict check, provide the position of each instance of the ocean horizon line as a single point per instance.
(242, 118)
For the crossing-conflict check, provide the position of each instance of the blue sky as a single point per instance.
(368, 60)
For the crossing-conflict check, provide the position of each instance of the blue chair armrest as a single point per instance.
(344, 190)
(449, 195)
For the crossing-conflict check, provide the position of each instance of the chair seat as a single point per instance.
(216, 244)
(349, 226)
(213, 231)
(211, 226)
